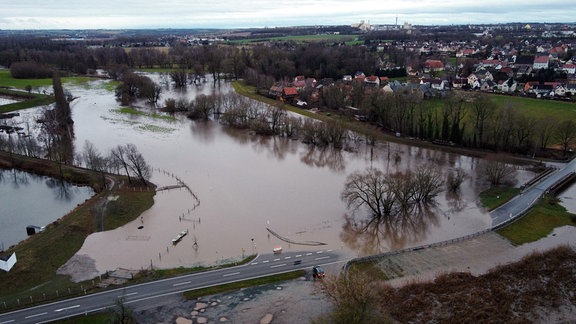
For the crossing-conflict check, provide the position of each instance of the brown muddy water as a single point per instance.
(243, 184)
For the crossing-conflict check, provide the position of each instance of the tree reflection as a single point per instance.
(62, 189)
(375, 235)
(324, 157)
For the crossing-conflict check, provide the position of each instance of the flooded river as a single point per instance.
(244, 184)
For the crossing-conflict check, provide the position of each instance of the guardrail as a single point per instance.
(558, 184)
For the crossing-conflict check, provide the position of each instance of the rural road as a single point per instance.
(263, 265)
(518, 205)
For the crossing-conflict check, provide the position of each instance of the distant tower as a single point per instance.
(396, 21)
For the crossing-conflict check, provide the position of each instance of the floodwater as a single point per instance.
(243, 184)
(29, 199)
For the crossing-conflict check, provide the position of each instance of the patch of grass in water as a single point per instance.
(134, 111)
(156, 129)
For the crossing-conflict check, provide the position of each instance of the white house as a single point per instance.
(7, 262)
(540, 62)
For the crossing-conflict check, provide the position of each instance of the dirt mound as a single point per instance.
(79, 268)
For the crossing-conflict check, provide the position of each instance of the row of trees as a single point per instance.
(465, 119)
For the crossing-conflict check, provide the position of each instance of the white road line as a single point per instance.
(265, 261)
(36, 315)
(329, 250)
(319, 252)
(10, 321)
(126, 295)
(308, 253)
(320, 258)
(298, 255)
(276, 260)
(278, 265)
(181, 283)
(286, 258)
(254, 263)
(66, 308)
(231, 274)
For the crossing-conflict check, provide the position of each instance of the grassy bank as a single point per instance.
(29, 100)
(542, 219)
(243, 284)
(497, 196)
(34, 278)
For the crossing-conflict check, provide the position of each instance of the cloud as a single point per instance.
(54, 14)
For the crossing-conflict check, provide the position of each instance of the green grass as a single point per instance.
(29, 100)
(6, 80)
(243, 284)
(538, 108)
(546, 215)
(496, 196)
(134, 111)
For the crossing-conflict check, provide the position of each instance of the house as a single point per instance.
(458, 83)
(372, 80)
(7, 262)
(571, 89)
(465, 52)
(540, 62)
(299, 82)
(560, 90)
(509, 85)
(433, 65)
(569, 68)
(487, 85)
(289, 93)
(275, 91)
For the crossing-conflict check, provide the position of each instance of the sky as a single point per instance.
(129, 14)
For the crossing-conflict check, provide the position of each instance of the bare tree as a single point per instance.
(566, 134)
(355, 298)
(454, 179)
(92, 158)
(137, 164)
(498, 172)
(119, 160)
(369, 189)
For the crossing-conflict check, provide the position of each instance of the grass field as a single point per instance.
(538, 108)
(539, 222)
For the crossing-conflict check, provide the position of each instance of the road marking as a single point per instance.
(329, 250)
(231, 274)
(254, 263)
(181, 283)
(126, 295)
(278, 265)
(36, 315)
(265, 261)
(10, 321)
(66, 308)
(286, 258)
(276, 260)
(320, 258)
(298, 255)
(319, 252)
(308, 253)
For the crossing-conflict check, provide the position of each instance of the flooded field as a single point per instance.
(243, 185)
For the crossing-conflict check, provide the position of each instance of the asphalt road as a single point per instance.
(518, 205)
(143, 293)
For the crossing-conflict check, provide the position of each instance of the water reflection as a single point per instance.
(29, 199)
(394, 232)
(324, 157)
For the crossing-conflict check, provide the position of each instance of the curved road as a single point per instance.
(263, 265)
(518, 205)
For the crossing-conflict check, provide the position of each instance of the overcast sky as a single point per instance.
(113, 14)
